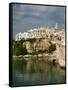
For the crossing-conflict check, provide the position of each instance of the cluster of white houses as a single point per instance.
(41, 33)
(33, 33)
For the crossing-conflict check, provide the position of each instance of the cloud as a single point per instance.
(26, 17)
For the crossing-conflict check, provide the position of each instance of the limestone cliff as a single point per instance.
(44, 43)
(60, 54)
(38, 44)
(41, 39)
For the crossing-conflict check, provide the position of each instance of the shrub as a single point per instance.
(19, 49)
(52, 48)
(32, 40)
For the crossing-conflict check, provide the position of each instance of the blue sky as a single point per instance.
(26, 17)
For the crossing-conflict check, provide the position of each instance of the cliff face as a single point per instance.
(60, 54)
(57, 38)
(38, 44)
(44, 44)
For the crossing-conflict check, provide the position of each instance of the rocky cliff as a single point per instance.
(45, 43)
(38, 44)
(52, 41)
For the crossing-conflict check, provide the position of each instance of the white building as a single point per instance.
(33, 33)
(18, 36)
(21, 35)
(41, 33)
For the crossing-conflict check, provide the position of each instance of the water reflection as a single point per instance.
(34, 71)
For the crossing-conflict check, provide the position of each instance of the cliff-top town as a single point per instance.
(53, 34)
(42, 33)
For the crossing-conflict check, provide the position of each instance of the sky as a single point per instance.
(26, 17)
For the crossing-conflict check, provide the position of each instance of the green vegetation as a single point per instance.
(31, 40)
(19, 49)
(43, 51)
(52, 48)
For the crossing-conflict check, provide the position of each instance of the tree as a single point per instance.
(19, 49)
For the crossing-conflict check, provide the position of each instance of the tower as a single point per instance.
(56, 26)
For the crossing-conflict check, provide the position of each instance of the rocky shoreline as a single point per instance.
(50, 58)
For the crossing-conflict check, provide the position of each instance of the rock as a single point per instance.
(55, 36)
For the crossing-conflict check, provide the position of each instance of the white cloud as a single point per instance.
(36, 16)
(35, 10)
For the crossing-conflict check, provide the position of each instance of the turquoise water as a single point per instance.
(36, 72)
